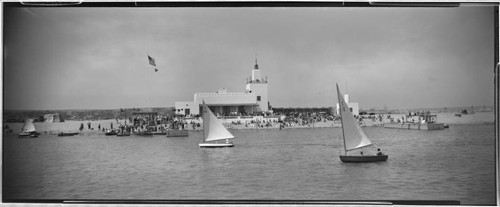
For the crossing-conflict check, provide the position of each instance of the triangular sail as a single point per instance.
(28, 126)
(354, 137)
(213, 129)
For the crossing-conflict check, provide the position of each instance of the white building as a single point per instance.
(354, 107)
(51, 118)
(254, 99)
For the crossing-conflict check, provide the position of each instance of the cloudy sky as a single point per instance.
(96, 58)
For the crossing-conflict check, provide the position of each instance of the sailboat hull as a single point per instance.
(365, 158)
(215, 145)
(67, 134)
(28, 135)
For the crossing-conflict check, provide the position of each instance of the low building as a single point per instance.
(51, 118)
(354, 107)
(223, 103)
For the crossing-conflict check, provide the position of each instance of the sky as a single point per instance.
(96, 58)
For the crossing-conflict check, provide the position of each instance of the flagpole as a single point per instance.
(149, 96)
(152, 63)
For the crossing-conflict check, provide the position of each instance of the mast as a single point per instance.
(341, 121)
(205, 121)
(213, 128)
(353, 135)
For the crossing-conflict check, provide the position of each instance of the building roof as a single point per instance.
(231, 104)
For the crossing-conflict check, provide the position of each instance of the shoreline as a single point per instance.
(73, 126)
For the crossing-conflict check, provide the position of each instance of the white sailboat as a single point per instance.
(214, 131)
(353, 136)
(28, 130)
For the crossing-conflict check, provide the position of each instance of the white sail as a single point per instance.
(213, 129)
(28, 126)
(354, 137)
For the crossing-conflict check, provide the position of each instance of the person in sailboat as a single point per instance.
(379, 153)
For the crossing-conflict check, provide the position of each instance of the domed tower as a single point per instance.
(258, 86)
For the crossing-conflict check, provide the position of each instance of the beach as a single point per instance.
(74, 125)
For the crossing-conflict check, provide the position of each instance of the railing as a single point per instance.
(256, 81)
(224, 94)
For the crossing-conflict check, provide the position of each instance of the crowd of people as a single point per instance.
(155, 122)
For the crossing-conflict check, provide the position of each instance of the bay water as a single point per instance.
(457, 163)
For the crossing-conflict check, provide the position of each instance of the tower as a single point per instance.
(256, 72)
(258, 86)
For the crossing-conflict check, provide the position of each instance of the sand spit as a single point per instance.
(73, 126)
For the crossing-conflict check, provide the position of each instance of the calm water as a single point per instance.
(453, 164)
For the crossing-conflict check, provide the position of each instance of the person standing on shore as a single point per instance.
(89, 124)
(81, 127)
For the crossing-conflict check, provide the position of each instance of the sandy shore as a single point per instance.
(73, 126)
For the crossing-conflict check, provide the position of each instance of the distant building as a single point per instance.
(354, 107)
(223, 103)
(51, 118)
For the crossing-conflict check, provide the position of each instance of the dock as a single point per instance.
(177, 133)
(415, 126)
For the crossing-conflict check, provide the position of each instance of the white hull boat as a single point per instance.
(354, 137)
(214, 132)
(215, 145)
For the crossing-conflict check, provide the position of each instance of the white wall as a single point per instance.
(259, 89)
(180, 108)
(353, 106)
(226, 98)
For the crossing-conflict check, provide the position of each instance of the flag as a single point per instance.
(151, 61)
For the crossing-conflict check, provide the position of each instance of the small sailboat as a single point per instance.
(28, 130)
(354, 137)
(214, 131)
